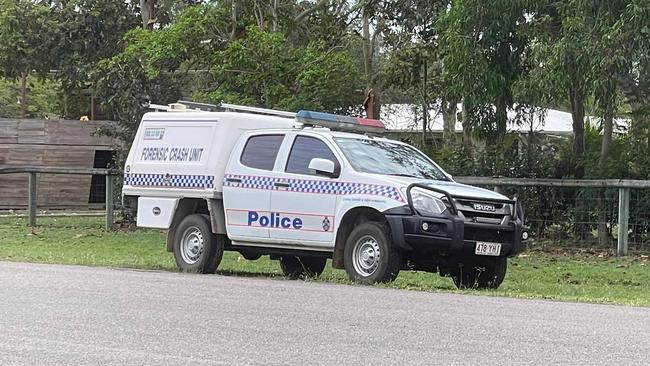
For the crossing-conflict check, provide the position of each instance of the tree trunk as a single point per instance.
(468, 142)
(449, 122)
(577, 99)
(259, 15)
(368, 65)
(604, 237)
(367, 50)
(305, 13)
(147, 10)
(607, 101)
(608, 129)
(578, 116)
(425, 105)
(502, 120)
(233, 20)
(274, 13)
(23, 95)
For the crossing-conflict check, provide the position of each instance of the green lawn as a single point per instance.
(569, 277)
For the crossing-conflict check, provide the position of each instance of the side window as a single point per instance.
(260, 151)
(303, 150)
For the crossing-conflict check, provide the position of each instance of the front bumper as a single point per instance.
(453, 234)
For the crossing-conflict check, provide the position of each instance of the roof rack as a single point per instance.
(306, 118)
(243, 108)
(205, 107)
(172, 107)
(236, 107)
(184, 105)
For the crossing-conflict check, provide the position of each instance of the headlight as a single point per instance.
(426, 203)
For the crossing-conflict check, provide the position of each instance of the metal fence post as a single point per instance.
(623, 217)
(31, 198)
(109, 202)
(498, 189)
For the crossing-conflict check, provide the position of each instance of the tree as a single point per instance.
(26, 38)
(629, 37)
(258, 68)
(584, 51)
(415, 63)
(88, 31)
(485, 45)
(264, 69)
(43, 98)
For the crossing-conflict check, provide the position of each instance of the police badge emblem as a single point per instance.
(326, 224)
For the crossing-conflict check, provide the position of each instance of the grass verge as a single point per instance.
(563, 276)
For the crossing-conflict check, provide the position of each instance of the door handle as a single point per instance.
(282, 184)
(233, 180)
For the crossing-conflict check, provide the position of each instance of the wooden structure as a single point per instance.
(53, 143)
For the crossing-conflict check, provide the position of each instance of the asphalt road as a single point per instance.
(70, 315)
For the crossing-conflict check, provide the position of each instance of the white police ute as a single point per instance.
(304, 187)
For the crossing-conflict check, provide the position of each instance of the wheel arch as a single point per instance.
(185, 207)
(350, 220)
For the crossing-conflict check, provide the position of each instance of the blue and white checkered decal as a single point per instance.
(313, 186)
(169, 180)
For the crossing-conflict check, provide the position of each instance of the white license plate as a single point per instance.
(484, 248)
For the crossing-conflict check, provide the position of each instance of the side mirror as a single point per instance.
(323, 167)
(449, 176)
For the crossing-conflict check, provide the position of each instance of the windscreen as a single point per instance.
(382, 157)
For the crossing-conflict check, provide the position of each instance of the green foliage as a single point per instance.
(26, 38)
(90, 30)
(150, 68)
(264, 69)
(43, 99)
(484, 48)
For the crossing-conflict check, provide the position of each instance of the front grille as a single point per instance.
(483, 212)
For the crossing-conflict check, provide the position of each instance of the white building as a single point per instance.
(407, 118)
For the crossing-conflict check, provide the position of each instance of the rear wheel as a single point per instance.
(369, 255)
(196, 248)
(483, 273)
(295, 267)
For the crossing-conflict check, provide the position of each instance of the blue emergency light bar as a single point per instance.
(340, 123)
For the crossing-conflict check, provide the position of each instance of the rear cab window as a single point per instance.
(261, 151)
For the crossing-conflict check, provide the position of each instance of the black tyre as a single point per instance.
(295, 267)
(250, 255)
(370, 257)
(485, 273)
(196, 248)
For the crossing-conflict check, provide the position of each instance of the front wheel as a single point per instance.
(196, 248)
(483, 273)
(295, 267)
(369, 255)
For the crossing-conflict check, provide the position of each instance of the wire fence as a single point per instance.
(594, 214)
(582, 217)
(573, 214)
